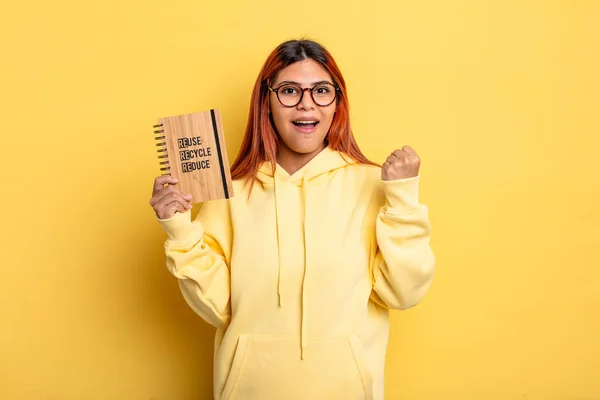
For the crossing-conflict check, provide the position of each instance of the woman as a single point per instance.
(298, 271)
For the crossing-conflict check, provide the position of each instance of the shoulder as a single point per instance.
(366, 169)
(365, 174)
(366, 179)
(240, 185)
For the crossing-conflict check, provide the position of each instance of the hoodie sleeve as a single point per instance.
(404, 262)
(198, 255)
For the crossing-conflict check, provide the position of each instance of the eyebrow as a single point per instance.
(298, 83)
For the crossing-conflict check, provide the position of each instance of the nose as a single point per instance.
(306, 101)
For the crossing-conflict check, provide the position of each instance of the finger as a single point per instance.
(160, 181)
(176, 197)
(173, 197)
(171, 209)
(410, 151)
(158, 196)
(392, 159)
(400, 154)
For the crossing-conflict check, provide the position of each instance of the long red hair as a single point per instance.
(261, 141)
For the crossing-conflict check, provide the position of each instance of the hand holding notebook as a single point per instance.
(167, 200)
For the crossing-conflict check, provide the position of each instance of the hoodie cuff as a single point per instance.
(401, 195)
(178, 227)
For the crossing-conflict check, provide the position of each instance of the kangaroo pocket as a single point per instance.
(269, 367)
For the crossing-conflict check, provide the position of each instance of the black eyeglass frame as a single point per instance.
(276, 91)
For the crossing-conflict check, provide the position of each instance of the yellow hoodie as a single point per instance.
(298, 279)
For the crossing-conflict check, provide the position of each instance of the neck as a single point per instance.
(292, 161)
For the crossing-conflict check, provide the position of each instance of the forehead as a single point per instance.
(305, 72)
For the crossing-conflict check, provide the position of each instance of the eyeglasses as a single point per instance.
(290, 94)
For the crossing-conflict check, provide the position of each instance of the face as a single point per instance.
(302, 128)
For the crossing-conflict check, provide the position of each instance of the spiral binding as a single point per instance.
(162, 149)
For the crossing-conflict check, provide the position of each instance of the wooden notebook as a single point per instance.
(192, 148)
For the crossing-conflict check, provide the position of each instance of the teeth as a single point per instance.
(306, 122)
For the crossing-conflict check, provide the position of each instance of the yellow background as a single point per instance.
(500, 98)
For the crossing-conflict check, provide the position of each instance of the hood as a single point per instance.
(319, 169)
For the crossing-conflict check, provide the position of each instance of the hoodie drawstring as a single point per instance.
(278, 228)
(303, 316)
(279, 267)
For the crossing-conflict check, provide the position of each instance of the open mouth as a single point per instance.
(306, 126)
